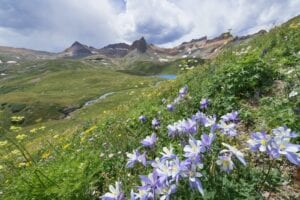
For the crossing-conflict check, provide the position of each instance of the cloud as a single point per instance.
(54, 24)
(158, 20)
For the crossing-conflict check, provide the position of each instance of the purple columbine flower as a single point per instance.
(284, 132)
(149, 141)
(172, 130)
(227, 128)
(233, 116)
(183, 91)
(166, 190)
(239, 155)
(259, 141)
(193, 149)
(142, 118)
(209, 121)
(168, 153)
(115, 192)
(144, 193)
(204, 103)
(155, 123)
(279, 145)
(135, 157)
(189, 126)
(194, 180)
(170, 107)
(151, 180)
(225, 163)
(207, 140)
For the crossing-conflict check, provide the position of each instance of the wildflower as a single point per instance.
(183, 91)
(142, 118)
(172, 130)
(155, 122)
(207, 140)
(282, 146)
(134, 158)
(194, 180)
(149, 141)
(204, 103)
(259, 141)
(293, 94)
(110, 155)
(225, 163)
(1, 167)
(66, 146)
(239, 155)
(16, 152)
(101, 155)
(194, 148)
(170, 107)
(189, 126)
(166, 190)
(115, 193)
(233, 116)
(208, 121)
(227, 128)
(15, 128)
(3, 143)
(144, 192)
(55, 136)
(46, 155)
(168, 153)
(151, 180)
(284, 132)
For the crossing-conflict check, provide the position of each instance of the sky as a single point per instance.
(53, 25)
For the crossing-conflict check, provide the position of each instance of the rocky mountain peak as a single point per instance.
(140, 45)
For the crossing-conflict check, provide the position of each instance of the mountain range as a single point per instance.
(122, 53)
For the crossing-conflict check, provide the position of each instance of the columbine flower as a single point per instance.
(194, 149)
(135, 157)
(208, 121)
(284, 132)
(293, 94)
(225, 163)
(168, 153)
(166, 190)
(142, 118)
(233, 116)
(204, 103)
(207, 140)
(259, 141)
(172, 130)
(282, 146)
(239, 155)
(151, 180)
(144, 193)
(155, 122)
(183, 91)
(194, 180)
(227, 128)
(170, 107)
(115, 192)
(149, 141)
(189, 126)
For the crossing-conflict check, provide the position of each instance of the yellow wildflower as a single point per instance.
(21, 137)
(56, 136)
(1, 167)
(3, 143)
(66, 146)
(15, 128)
(46, 155)
(15, 152)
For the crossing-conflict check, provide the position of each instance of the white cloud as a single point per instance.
(55, 24)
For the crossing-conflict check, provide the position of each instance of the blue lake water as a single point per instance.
(167, 76)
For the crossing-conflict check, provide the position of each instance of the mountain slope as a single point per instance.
(255, 77)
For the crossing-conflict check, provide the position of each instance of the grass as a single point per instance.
(83, 162)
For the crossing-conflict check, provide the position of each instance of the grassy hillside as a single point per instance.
(258, 78)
